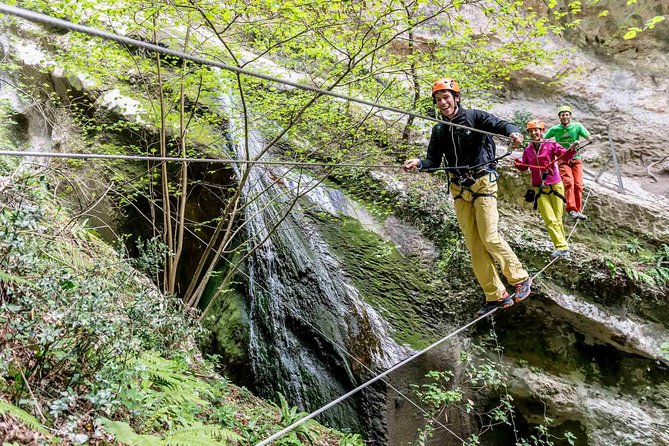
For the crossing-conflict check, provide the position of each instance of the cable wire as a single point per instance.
(64, 24)
(407, 360)
(102, 156)
(369, 382)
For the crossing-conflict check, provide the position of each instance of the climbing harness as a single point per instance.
(542, 192)
(532, 196)
(465, 182)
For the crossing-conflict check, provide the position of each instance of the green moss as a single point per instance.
(225, 311)
(229, 327)
(396, 286)
(11, 136)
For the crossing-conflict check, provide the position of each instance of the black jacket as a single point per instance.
(463, 147)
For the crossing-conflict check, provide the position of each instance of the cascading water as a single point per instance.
(38, 127)
(304, 311)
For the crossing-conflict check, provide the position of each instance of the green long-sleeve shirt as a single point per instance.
(565, 136)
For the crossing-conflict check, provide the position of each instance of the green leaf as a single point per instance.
(629, 35)
(22, 416)
(125, 434)
(654, 21)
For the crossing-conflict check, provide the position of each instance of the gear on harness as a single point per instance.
(533, 196)
(529, 196)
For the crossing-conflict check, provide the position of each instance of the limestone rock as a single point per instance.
(607, 419)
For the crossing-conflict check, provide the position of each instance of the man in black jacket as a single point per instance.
(465, 144)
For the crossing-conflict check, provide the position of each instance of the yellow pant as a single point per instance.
(478, 220)
(551, 207)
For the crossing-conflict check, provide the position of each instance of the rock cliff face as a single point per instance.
(622, 90)
(584, 348)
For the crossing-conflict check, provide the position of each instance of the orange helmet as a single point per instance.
(536, 124)
(446, 84)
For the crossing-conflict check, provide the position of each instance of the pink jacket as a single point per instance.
(549, 151)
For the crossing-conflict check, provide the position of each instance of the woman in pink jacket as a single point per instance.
(541, 157)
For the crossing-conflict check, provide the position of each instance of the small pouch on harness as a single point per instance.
(529, 196)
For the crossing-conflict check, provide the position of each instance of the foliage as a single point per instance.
(290, 415)
(158, 393)
(97, 313)
(483, 385)
(635, 30)
(22, 416)
(521, 118)
(85, 337)
(151, 256)
(9, 140)
(652, 270)
(351, 440)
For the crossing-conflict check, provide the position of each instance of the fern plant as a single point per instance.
(291, 414)
(165, 393)
(168, 395)
(197, 434)
(22, 416)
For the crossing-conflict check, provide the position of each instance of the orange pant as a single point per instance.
(571, 173)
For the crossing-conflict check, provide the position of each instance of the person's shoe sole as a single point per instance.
(501, 307)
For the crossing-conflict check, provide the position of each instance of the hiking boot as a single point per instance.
(560, 253)
(503, 302)
(573, 215)
(522, 289)
(581, 216)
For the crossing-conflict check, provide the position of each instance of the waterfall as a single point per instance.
(39, 130)
(304, 311)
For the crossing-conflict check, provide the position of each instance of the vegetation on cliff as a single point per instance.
(89, 345)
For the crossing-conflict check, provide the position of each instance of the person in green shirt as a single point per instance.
(566, 133)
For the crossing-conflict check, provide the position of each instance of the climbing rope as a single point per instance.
(460, 168)
(532, 166)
